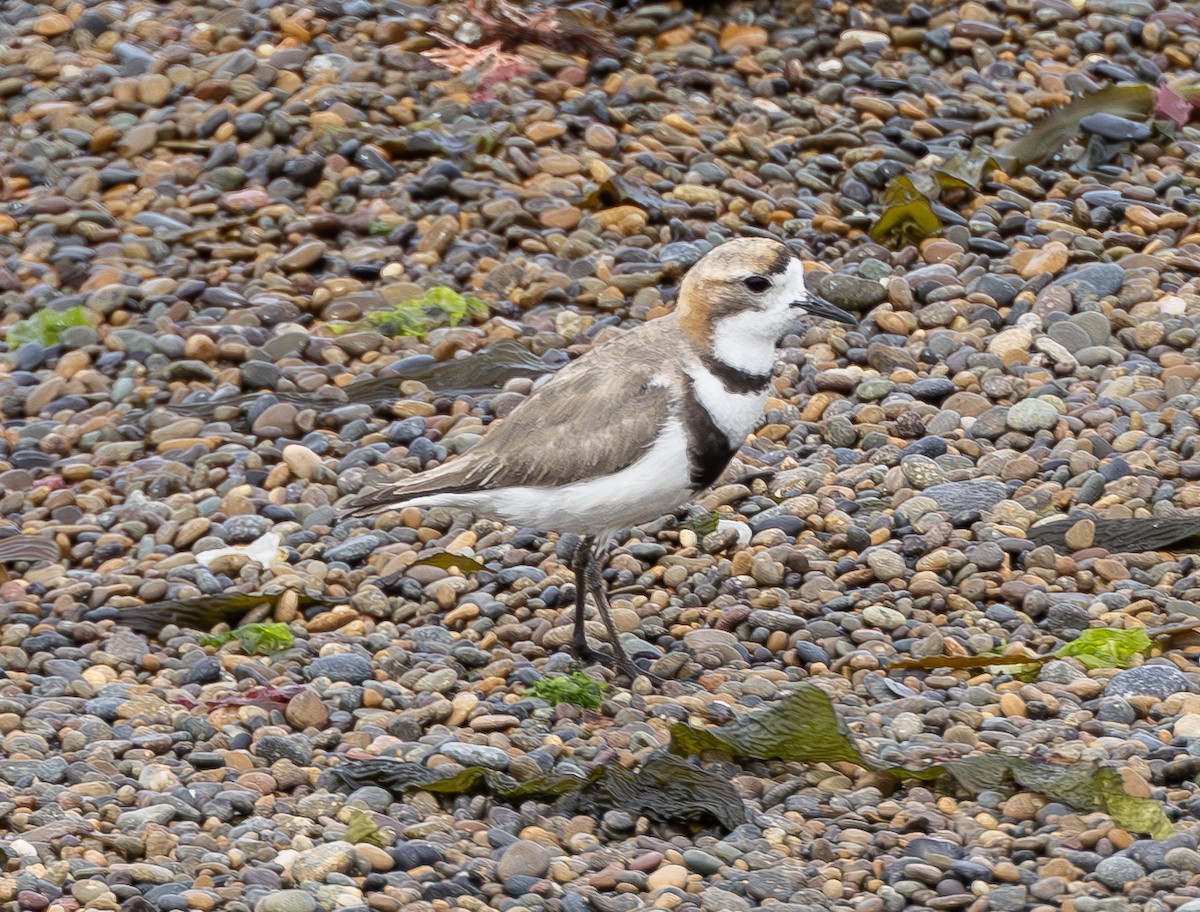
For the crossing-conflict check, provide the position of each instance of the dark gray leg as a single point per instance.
(587, 568)
(594, 582)
(584, 557)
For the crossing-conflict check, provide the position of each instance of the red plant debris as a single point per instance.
(1170, 103)
(266, 696)
(461, 58)
(507, 23)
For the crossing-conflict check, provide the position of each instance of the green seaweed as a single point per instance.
(46, 326)
(1133, 100)
(802, 726)
(577, 688)
(1102, 647)
(702, 523)
(806, 727)
(256, 639)
(908, 215)
(664, 789)
(415, 317)
(362, 828)
(444, 560)
(1099, 647)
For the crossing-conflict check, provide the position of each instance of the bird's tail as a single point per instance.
(447, 478)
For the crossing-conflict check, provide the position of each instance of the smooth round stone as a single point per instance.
(476, 755)
(1148, 680)
(1030, 415)
(1114, 128)
(874, 389)
(352, 550)
(1069, 335)
(883, 617)
(701, 862)
(1095, 280)
(1115, 872)
(965, 496)
(851, 292)
(921, 471)
(1096, 325)
(205, 671)
(886, 565)
(352, 669)
(525, 858)
(1187, 726)
(933, 389)
(287, 901)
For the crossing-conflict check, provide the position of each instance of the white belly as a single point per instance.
(657, 484)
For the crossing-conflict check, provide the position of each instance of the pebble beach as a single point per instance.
(215, 219)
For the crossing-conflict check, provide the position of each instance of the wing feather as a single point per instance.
(595, 417)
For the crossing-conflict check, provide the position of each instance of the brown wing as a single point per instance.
(594, 417)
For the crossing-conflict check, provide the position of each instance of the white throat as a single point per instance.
(743, 342)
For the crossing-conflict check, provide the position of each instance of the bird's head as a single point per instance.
(748, 292)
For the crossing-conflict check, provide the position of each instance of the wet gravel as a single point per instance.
(225, 190)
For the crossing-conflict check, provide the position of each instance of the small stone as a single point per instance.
(51, 25)
(128, 821)
(600, 138)
(1009, 343)
(353, 669)
(1081, 535)
(742, 38)
(301, 460)
(301, 257)
(1148, 680)
(852, 292)
(287, 901)
(1032, 415)
(886, 565)
(1050, 259)
(1116, 871)
(668, 876)
(476, 755)
(126, 646)
(702, 862)
(154, 89)
(1187, 726)
(1114, 128)
(306, 710)
(1096, 280)
(317, 863)
(962, 496)
(883, 617)
(525, 858)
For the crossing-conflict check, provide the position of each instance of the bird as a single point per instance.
(635, 427)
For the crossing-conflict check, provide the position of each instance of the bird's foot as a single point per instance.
(623, 664)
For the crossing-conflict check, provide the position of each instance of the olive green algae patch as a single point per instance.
(1098, 647)
(805, 727)
(46, 326)
(664, 789)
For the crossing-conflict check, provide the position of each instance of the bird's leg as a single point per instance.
(584, 557)
(595, 583)
(586, 565)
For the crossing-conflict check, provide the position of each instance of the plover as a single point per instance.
(635, 427)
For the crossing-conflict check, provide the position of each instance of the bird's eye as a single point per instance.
(758, 284)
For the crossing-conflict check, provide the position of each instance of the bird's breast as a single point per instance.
(717, 422)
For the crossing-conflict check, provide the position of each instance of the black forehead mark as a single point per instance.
(782, 260)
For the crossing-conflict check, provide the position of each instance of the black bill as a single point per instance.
(819, 307)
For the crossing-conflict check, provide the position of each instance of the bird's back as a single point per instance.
(594, 418)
